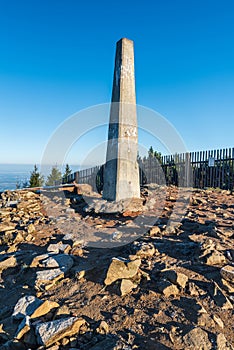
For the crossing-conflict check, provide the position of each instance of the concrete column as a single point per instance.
(121, 171)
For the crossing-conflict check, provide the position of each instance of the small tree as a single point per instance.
(151, 151)
(55, 176)
(155, 154)
(67, 172)
(158, 156)
(36, 179)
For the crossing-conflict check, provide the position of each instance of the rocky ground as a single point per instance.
(74, 276)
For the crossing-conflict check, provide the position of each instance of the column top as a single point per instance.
(125, 39)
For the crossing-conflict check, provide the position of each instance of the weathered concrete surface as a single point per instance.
(121, 172)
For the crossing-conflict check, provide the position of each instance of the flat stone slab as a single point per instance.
(26, 306)
(48, 333)
(7, 261)
(47, 276)
(63, 261)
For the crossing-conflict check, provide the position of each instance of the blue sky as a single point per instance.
(57, 57)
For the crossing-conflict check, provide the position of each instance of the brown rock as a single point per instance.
(63, 310)
(121, 268)
(134, 205)
(31, 228)
(6, 262)
(83, 188)
(36, 260)
(44, 308)
(215, 258)
(175, 277)
(7, 227)
(227, 272)
(197, 339)
(126, 286)
(229, 287)
(193, 289)
(19, 237)
(219, 297)
(155, 230)
(222, 343)
(23, 328)
(168, 288)
(145, 249)
(218, 321)
(103, 328)
(205, 321)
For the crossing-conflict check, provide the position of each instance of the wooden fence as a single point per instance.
(214, 168)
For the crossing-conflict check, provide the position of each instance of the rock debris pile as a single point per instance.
(171, 288)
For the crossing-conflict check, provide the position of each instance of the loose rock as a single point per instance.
(50, 332)
(197, 339)
(126, 286)
(167, 288)
(121, 268)
(175, 277)
(227, 272)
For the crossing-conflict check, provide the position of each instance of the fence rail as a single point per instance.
(213, 168)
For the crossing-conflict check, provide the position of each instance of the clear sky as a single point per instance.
(57, 57)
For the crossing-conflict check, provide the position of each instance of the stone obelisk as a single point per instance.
(121, 171)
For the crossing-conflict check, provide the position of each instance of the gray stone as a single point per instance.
(50, 332)
(25, 306)
(63, 261)
(121, 172)
(47, 276)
